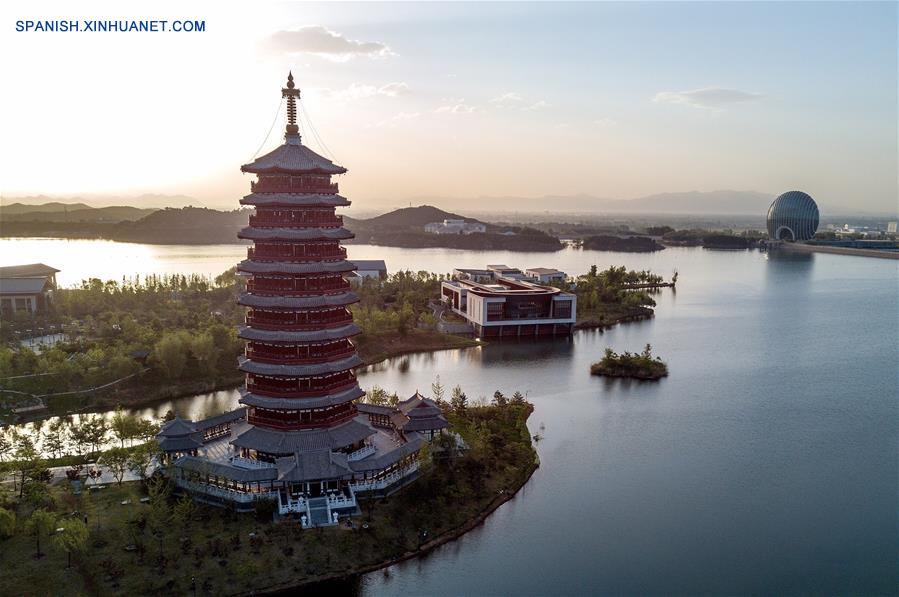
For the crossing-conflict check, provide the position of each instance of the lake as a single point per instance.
(765, 463)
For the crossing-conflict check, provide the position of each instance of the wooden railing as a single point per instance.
(295, 253)
(263, 220)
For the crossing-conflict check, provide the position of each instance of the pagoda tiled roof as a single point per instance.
(313, 465)
(248, 333)
(251, 233)
(181, 443)
(228, 417)
(289, 442)
(292, 157)
(177, 427)
(228, 471)
(414, 443)
(249, 366)
(287, 267)
(295, 199)
(251, 399)
(298, 302)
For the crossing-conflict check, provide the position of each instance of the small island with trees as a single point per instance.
(632, 365)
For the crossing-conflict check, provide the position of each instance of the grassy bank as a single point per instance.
(160, 546)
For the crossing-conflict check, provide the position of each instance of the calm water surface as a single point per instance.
(765, 463)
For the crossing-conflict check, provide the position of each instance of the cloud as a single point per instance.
(357, 91)
(323, 42)
(396, 119)
(456, 106)
(511, 98)
(515, 100)
(707, 97)
(605, 122)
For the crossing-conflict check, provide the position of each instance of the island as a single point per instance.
(632, 365)
(137, 537)
(624, 244)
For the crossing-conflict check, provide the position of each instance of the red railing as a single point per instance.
(289, 287)
(295, 422)
(295, 253)
(264, 221)
(266, 388)
(293, 321)
(297, 354)
(292, 185)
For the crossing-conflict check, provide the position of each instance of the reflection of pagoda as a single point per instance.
(302, 439)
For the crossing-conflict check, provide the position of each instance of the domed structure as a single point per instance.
(793, 216)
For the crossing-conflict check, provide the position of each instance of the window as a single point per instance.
(494, 311)
(562, 309)
(22, 304)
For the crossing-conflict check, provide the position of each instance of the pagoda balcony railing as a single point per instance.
(386, 480)
(295, 253)
(264, 221)
(285, 392)
(271, 323)
(296, 358)
(276, 423)
(289, 287)
(250, 463)
(363, 452)
(293, 186)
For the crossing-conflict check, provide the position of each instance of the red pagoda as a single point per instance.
(299, 438)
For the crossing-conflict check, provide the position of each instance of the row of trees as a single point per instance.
(397, 304)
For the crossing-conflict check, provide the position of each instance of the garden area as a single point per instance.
(137, 537)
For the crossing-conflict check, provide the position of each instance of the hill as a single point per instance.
(72, 214)
(186, 225)
(51, 207)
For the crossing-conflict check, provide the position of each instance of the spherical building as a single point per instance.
(793, 216)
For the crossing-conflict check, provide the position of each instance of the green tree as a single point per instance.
(55, 437)
(41, 523)
(7, 523)
(184, 511)
(140, 460)
(202, 347)
(459, 401)
(171, 353)
(437, 390)
(123, 426)
(117, 460)
(27, 459)
(72, 537)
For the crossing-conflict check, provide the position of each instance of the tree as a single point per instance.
(90, 431)
(171, 353)
(184, 511)
(459, 400)
(123, 425)
(377, 395)
(499, 399)
(6, 445)
(55, 437)
(437, 390)
(140, 461)
(7, 523)
(72, 537)
(518, 398)
(160, 512)
(41, 523)
(202, 347)
(117, 460)
(27, 459)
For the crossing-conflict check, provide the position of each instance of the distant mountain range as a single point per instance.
(70, 212)
(692, 202)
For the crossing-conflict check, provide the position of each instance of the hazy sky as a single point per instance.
(613, 99)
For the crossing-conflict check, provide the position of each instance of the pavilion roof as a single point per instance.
(228, 471)
(177, 427)
(30, 270)
(313, 465)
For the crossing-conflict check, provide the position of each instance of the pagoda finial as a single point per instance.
(292, 94)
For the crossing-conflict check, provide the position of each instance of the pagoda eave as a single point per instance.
(297, 234)
(250, 366)
(289, 337)
(295, 200)
(250, 399)
(342, 299)
(256, 266)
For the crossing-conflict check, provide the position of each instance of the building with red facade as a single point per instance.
(300, 440)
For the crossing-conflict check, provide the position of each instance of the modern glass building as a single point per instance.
(792, 216)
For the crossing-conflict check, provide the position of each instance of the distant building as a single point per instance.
(891, 227)
(26, 288)
(545, 275)
(455, 227)
(374, 269)
(792, 217)
(509, 305)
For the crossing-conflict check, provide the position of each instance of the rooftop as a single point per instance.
(30, 270)
(22, 285)
(369, 264)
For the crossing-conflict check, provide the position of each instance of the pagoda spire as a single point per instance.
(292, 94)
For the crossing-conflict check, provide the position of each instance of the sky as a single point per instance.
(614, 100)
